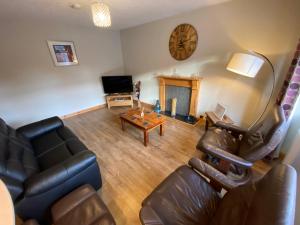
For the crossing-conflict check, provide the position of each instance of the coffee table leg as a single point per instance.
(161, 130)
(146, 138)
(123, 124)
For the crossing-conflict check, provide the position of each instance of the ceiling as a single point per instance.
(125, 13)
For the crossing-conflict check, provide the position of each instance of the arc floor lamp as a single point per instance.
(249, 64)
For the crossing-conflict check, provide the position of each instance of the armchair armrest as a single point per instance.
(231, 127)
(149, 217)
(58, 174)
(211, 173)
(36, 129)
(220, 153)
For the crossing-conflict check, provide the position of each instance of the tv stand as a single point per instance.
(119, 100)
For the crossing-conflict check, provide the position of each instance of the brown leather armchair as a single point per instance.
(187, 198)
(236, 149)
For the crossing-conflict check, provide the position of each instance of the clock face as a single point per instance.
(183, 41)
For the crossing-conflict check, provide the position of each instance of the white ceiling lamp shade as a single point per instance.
(245, 64)
(101, 14)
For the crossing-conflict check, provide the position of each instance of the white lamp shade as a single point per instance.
(245, 64)
(7, 213)
(101, 14)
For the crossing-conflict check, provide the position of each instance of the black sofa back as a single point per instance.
(17, 159)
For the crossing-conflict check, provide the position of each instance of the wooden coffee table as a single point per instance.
(150, 121)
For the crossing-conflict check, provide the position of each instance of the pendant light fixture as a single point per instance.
(101, 14)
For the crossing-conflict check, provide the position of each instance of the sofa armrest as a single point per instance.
(149, 217)
(14, 187)
(231, 127)
(227, 156)
(211, 173)
(58, 174)
(36, 129)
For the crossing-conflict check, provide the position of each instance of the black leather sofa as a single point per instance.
(41, 162)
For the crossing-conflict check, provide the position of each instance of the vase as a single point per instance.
(157, 107)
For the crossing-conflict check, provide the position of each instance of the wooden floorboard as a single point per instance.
(130, 171)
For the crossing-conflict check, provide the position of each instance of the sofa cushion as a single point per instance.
(56, 146)
(250, 143)
(221, 139)
(183, 197)
(82, 206)
(16, 161)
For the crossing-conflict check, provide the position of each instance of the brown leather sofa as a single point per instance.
(187, 198)
(236, 148)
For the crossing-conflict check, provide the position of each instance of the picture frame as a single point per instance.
(220, 111)
(63, 53)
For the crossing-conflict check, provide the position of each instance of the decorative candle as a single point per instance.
(142, 113)
(174, 103)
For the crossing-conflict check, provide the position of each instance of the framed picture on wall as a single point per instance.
(63, 53)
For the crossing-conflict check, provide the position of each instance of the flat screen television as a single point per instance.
(117, 84)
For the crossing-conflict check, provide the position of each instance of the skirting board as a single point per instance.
(84, 111)
(102, 106)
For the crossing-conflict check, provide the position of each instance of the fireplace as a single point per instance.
(185, 90)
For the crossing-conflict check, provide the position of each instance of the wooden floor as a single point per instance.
(129, 170)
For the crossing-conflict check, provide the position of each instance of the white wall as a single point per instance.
(264, 26)
(32, 88)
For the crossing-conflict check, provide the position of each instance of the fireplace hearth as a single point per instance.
(184, 118)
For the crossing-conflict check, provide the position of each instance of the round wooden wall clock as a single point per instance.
(183, 41)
